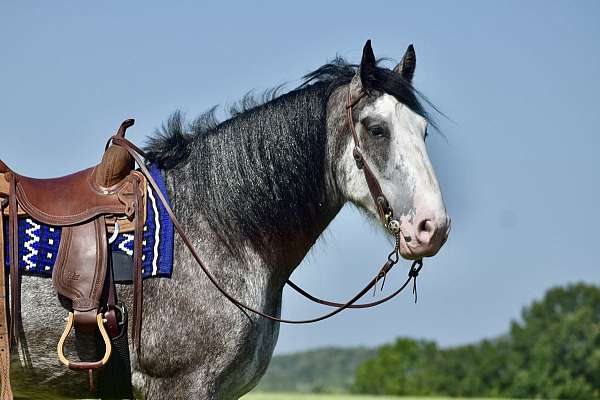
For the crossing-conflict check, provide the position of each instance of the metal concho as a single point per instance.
(394, 226)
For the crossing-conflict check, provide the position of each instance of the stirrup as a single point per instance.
(82, 365)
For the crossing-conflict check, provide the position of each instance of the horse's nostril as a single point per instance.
(425, 231)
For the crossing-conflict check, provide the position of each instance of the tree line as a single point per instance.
(324, 370)
(553, 352)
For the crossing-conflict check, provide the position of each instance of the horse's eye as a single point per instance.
(376, 130)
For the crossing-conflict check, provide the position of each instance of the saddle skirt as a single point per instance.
(39, 243)
(76, 229)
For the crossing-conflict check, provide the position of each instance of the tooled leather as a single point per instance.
(84, 304)
(73, 275)
(6, 390)
(116, 164)
(78, 203)
(74, 198)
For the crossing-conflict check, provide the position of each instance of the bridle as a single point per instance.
(384, 211)
(386, 216)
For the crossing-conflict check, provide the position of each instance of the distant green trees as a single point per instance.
(326, 370)
(553, 352)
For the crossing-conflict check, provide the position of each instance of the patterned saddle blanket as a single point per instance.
(38, 243)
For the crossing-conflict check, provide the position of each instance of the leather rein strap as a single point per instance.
(384, 211)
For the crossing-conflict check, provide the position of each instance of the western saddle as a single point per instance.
(87, 205)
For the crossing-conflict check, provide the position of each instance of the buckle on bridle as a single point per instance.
(358, 158)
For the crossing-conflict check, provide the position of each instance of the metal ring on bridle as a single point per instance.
(394, 257)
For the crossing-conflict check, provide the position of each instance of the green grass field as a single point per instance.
(299, 396)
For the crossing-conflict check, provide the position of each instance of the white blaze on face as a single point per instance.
(408, 181)
(408, 157)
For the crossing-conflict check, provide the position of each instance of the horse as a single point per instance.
(255, 192)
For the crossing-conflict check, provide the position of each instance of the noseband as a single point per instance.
(384, 212)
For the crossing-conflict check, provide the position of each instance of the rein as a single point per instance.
(384, 211)
(386, 216)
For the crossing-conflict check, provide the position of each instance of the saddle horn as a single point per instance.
(116, 162)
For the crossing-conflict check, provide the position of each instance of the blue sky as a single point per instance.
(518, 168)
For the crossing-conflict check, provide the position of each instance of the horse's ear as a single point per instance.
(366, 70)
(407, 66)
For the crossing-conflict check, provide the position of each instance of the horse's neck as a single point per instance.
(283, 244)
(282, 254)
(279, 258)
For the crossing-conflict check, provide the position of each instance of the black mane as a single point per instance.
(263, 169)
(339, 72)
(169, 145)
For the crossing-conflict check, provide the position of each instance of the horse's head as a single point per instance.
(391, 127)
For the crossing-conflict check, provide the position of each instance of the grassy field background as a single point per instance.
(300, 396)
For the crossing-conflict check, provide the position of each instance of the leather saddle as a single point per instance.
(88, 206)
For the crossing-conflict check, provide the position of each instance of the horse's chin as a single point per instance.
(406, 251)
(409, 252)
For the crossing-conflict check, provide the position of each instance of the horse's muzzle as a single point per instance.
(425, 238)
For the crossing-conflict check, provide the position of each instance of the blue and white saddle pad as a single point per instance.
(38, 243)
